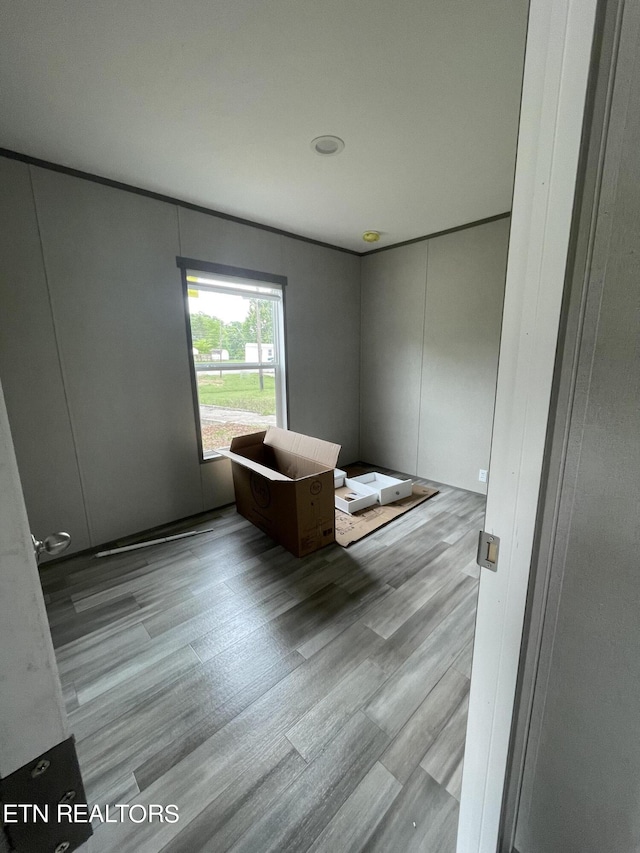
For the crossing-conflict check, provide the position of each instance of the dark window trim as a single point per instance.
(192, 368)
(224, 269)
(185, 264)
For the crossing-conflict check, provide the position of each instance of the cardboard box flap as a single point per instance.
(247, 440)
(315, 449)
(269, 473)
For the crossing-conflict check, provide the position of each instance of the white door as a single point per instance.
(32, 715)
(557, 64)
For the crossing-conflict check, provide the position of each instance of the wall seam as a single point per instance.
(201, 468)
(424, 329)
(60, 361)
(361, 366)
(179, 231)
(359, 454)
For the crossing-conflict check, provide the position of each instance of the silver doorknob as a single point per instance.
(54, 544)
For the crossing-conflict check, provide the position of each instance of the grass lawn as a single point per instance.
(215, 436)
(238, 391)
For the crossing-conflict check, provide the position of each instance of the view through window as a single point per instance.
(237, 350)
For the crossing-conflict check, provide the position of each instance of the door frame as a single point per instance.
(556, 73)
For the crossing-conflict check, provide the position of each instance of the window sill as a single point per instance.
(214, 456)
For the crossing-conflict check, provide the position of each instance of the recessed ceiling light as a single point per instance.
(327, 145)
(371, 236)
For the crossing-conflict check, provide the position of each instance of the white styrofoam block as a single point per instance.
(338, 478)
(388, 489)
(359, 497)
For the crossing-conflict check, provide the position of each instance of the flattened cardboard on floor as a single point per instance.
(352, 528)
(284, 484)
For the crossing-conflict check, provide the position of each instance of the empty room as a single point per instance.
(253, 267)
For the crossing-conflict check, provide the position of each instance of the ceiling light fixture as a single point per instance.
(327, 145)
(371, 236)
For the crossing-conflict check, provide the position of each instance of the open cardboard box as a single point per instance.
(284, 484)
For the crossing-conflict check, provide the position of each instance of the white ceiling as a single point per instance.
(216, 102)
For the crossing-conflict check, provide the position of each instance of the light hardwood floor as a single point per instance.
(283, 705)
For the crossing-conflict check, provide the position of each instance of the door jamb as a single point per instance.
(557, 64)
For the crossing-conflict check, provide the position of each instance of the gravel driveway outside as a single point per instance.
(218, 415)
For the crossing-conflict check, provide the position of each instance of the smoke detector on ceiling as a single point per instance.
(327, 145)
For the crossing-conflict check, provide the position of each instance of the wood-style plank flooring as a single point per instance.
(283, 705)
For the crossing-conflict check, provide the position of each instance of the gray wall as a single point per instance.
(431, 316)
(393, 300)
(110, 263)
(94, 358)
(581, 781)
(30, 368)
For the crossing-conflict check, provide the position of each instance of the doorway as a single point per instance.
(477, 732)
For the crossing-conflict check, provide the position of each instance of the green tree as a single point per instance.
(206, 332)
(250, 325)
(233, 340)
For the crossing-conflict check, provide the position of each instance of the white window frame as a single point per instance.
(234, 281)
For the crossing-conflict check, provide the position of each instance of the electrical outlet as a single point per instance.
(483, 476)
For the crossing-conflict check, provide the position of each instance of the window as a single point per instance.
(236, 339)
